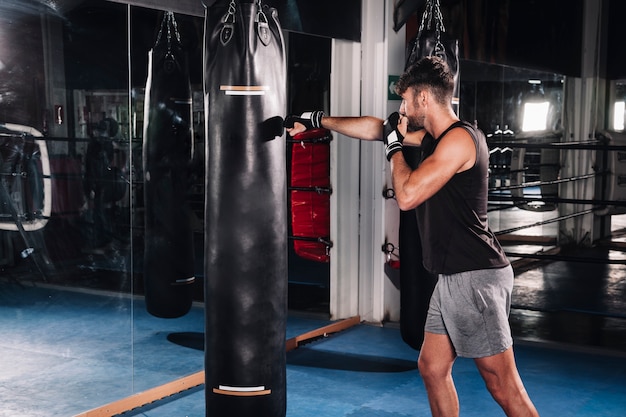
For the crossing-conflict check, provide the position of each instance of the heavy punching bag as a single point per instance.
(167, 156)
(416, 283)
(245, 211)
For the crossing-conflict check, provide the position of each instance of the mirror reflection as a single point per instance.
(65, 200)
(618, 110)
(74, 83)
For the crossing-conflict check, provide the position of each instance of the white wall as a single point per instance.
(344, 201)
(362, 220)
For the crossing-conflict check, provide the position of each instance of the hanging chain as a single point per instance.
(174, 25)
(438, 17)
(170, 22)
(432, 12)
(260, 16)
(230, 15)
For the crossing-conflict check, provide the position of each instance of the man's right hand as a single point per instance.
(307, 120)
(391, 135)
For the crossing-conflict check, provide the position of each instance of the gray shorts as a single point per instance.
(472, 308)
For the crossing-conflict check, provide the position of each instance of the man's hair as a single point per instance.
(429, 72)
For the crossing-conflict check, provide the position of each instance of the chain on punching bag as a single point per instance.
(246, 218)
(167, 155)
(431, 40)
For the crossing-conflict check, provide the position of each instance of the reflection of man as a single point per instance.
(98, 180)
(468, 314)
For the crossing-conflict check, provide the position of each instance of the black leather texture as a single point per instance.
(246, 217)
(168, 270)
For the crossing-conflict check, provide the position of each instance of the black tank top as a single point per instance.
(453, 222)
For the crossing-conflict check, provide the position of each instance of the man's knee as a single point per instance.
(504, 385)
(496, 388)
(433, 370)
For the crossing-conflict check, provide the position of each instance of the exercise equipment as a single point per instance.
(546, 166)
(416, 283)
(311, 119)
(245, 211)
(25, 172)
(615, 184)
(610, 155)
(548, 151)
(309, 192)
(167, 156)
(392, 137)
(25, 189)
(402, 11)
(431, 40)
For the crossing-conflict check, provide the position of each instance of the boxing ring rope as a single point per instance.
(596, 145)
(617, 203)
(505, 197)
(550, 182)
(544, 222)
(566, 258)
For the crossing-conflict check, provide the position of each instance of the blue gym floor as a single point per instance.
(65, 352)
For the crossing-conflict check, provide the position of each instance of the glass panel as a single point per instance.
(617, 109)
(309, 89)
(520, 112)
(65, 288)
(168, 341)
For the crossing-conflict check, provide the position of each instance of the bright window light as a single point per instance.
(535, 116)
(618, 115)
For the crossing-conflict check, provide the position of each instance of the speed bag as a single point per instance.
(245, 211)
(167, 152)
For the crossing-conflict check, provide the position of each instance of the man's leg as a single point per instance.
(435, 365)
(505, 385)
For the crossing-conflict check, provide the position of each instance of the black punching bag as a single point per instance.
(167, 155)
(416, 283)
(245, 212)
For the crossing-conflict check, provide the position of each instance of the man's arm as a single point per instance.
(455, 153)
(364, 127)
(359, 127)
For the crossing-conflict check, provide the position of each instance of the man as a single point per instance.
(98, 183)
(468, 313)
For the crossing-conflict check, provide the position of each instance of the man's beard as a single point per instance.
(415, 123)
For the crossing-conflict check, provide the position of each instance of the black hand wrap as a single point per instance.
(391, 136)
(310, 119)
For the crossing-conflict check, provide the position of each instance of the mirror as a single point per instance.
(66, 288)
(72, 188)
(168, 344)
(617, 111)
(520, 112)
(72, 206)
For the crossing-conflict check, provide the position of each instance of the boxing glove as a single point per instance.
(391, 135)
(310, 119)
